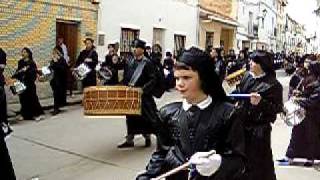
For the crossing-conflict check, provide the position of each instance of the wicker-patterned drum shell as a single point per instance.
(112, 100)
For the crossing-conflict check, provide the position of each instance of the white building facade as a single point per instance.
(169, 23)
(258, 20)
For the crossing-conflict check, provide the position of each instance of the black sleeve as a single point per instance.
(272, 102)
(311, 101)
(150, 72)
(233, 155)
(164, 142)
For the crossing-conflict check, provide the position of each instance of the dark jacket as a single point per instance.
(142, 124)
(217, 129)
(257, 123)
(90, 79)
(59, 82)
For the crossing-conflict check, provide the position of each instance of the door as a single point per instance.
(68, 30)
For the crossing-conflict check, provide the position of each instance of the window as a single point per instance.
(179, 44)
(127, 36)
(158, 38)
(101, 39)
(209, 39)
(250, 23)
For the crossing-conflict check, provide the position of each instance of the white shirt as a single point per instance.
(257, 77)
(201, 105)
(65, 52)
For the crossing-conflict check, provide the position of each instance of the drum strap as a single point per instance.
(137, 73)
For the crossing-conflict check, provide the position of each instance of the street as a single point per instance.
(72, 147)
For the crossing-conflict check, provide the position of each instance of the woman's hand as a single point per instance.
(255, 98)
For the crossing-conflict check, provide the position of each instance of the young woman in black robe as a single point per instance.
(258, 113)
(204, 121)
(58, 83)
(89, 56)
(27, 74)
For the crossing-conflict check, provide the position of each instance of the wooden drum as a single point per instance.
(112, 100)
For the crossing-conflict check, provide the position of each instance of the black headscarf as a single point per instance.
(200, 61)
(265, 60)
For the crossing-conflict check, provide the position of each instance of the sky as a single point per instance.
(302, 12)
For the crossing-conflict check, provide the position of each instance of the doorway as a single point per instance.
(68, 30)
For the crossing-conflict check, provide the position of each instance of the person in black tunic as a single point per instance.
(7, 171)
(168, 63)
(204, 121)
(305, 137)
(258, 113)
(89, 56)
(145, 79)
(59, 81)
(27, 74)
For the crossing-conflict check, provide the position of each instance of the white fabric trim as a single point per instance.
(202, 105)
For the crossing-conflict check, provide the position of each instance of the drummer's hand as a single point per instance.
(255, 98)
(205, 163)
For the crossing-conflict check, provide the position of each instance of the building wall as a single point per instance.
(225, 7)
(173, 16)
(33, 24)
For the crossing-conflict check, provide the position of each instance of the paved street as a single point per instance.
(72, 147)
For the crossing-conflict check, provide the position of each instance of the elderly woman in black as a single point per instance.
(27, 74)
(258, 113)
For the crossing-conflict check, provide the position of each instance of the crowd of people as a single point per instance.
(236, 128)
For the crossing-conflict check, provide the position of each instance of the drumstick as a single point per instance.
(239, 95)
(179, 168)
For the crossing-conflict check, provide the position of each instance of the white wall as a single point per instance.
(173, 15)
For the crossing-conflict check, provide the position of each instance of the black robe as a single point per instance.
(30, 105)
(142, 124)
(59, 82)
(181, 134)
(91, 78)
(3, 102)
(305, 137)
(257, 123)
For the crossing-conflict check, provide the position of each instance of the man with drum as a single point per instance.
(89, 57)
(140, 72)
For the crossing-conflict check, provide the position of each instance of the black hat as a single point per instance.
(88, 39)
(200, 61)
(264, 59)
(138, 43)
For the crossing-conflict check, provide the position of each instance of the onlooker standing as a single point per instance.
(27, 74)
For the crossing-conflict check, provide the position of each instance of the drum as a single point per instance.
(293, 113)
(18, 87)
(112, 100)
(46, 74)
(81, 71)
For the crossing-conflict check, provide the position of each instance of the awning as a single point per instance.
(214, 16)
